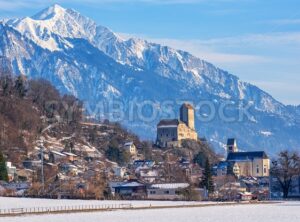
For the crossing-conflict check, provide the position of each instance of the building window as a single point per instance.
(152, 192)
(257, 169)
(167, 192)
(265, 169)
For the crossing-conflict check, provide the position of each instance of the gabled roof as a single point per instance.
(169, 122)
(127, 184)
(58, 153)
(169, 186)
(128, 143)
(70, 154)
(242, 156)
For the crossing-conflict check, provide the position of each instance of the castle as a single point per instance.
(171, 132)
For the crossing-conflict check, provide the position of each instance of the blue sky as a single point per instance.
(257, 40)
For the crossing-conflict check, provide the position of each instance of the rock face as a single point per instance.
(91, 62)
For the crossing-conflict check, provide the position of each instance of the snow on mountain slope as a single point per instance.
(162, 60)
(93, 63)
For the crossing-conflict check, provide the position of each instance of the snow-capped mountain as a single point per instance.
(93, 63)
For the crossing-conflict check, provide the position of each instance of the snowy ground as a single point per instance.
(277, 212)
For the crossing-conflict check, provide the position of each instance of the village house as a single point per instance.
(147, 175)
(171, 132)
(119, 171)
(128, 189)
(71, 156)
(167, 191)
(143, 163)
(11, 171)
(131, 148)
(55, 156)
(224, 168)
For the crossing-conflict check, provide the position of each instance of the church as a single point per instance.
(171, 132)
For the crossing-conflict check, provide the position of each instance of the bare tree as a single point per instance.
(285, 168)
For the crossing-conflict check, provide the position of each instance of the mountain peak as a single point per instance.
(50, 12)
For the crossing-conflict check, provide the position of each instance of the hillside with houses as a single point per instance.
(51, 149)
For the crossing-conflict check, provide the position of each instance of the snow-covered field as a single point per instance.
(277, 212)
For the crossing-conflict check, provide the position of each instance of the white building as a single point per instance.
(166, 191)
(131, 148)
(119, 171)
(11, 171)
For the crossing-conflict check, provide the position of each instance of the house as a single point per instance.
(171, 132)
(245, 196)
(131, 148)
(222, 168)
(259, 187)
(70, 156)
(129, 189)
(166, 191)
(56, 156)
(11, 171)
(68, 168)
(148, 175)
(119, 171)
(25, 174)
(230, 190)
(246, 164)
(143, 163)
(30, 164)
(192, 171)
(16, 188)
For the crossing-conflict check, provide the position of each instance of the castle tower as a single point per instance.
(187, 115)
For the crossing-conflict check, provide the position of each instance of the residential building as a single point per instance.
(119, 171)
(143, 163)
(71, 156)
(129, 189)
(11, 171)
(131, 148)
(171, 132)
(148, 175)
(56, 156)
(167, 191)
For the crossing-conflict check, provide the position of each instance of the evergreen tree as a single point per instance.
(20, 86)
(207, 180)
(200, 159)
(3, 170)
